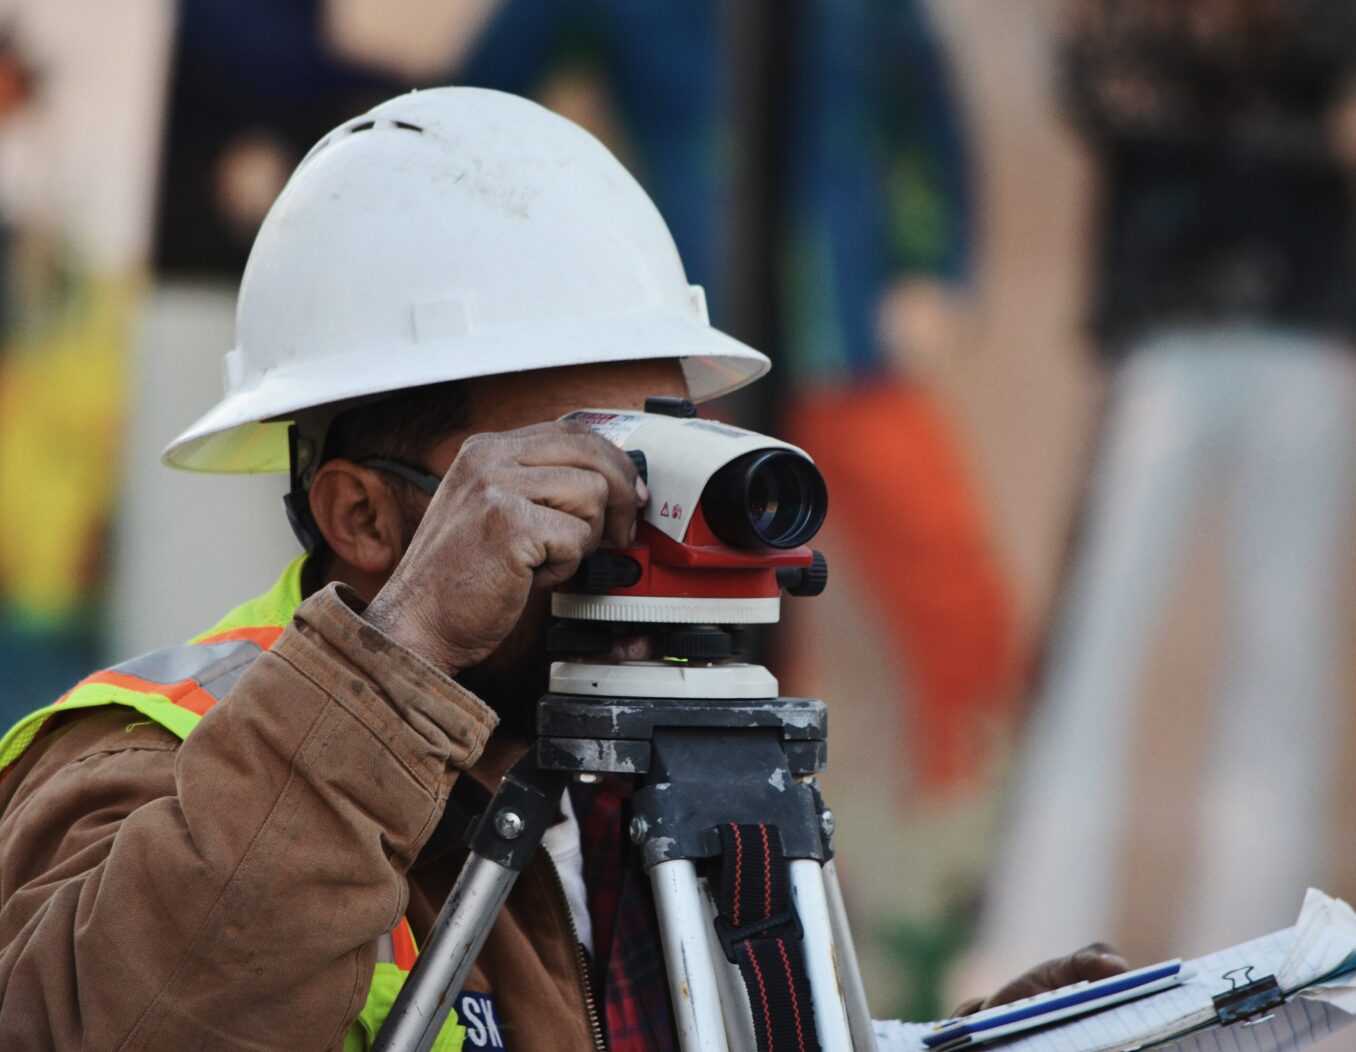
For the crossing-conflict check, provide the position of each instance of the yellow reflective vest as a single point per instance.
(175, 687)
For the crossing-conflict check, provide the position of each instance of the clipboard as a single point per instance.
(1055, 1006)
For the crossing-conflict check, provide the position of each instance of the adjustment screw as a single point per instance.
(508, 824)
(587, 778)
(827, 823)
(640, 829)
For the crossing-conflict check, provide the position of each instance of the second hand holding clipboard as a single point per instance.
(1054, 1006)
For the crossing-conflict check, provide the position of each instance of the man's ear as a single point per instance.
(360, 517)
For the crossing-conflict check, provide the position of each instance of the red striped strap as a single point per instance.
(759, 930)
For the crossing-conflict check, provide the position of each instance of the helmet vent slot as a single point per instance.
(363, 126)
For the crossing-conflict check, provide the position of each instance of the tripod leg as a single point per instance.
(505, 839)
(854, 993)
(693, 988)
(807, 891)
(457, 937)
(734, 996)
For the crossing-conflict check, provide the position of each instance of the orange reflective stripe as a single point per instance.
(198, 700)
(402, 943)
(216, 663)
(187, 694)
(265, 636)
(175, 686)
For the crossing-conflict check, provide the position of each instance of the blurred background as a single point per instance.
(1060, 295)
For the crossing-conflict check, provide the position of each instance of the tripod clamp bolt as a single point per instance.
(640, 829)
(509, 824)
(827, 823)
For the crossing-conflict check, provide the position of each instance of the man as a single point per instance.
(254, 884)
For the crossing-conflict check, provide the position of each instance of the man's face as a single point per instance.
(512, 678)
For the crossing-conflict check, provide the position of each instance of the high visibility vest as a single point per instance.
(175, 687)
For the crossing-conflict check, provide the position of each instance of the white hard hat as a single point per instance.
(444, 235)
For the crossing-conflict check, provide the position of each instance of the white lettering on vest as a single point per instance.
(476, 1013)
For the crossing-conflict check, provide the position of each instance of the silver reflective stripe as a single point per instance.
(216, 666)
(386, 949)
(220, 684)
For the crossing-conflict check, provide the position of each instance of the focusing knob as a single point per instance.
(805, 580)
(699, 643)
(670, 405)
(601, 572)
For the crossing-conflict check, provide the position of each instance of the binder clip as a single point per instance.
(1249, 998)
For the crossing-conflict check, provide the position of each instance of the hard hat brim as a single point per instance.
(246, 432)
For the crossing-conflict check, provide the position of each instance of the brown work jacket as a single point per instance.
(227, 892)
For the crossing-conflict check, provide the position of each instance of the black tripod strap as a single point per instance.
(760, 932)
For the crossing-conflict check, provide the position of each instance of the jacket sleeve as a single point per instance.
(227, 893)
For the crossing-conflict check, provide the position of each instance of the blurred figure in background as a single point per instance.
(80, 122)
(914, 643)
(251, 85)
(872, 242)
(860, 169)
(1226, 308)
(877, 257)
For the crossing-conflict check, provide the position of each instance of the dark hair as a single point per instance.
(404, 426)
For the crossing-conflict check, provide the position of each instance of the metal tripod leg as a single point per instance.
(807, 892)
(850, 973)
(685, 930)
(506, 838)
(707, 992)
(422, 1007)
(734, 996)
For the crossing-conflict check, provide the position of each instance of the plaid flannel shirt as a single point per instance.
(633, 997)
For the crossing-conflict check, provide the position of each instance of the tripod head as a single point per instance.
(726, 530)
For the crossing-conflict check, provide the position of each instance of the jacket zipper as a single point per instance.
(581, 963)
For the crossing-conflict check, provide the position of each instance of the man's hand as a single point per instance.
(517, 510)
(1098, 961)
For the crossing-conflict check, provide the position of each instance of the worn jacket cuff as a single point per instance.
(429, 722)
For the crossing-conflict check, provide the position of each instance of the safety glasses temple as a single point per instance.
(417, 477)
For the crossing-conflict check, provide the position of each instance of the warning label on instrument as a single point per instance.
(615, 427)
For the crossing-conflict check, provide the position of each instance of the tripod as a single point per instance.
(713, 751)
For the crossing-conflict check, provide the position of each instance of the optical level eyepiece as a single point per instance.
(774, 498)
